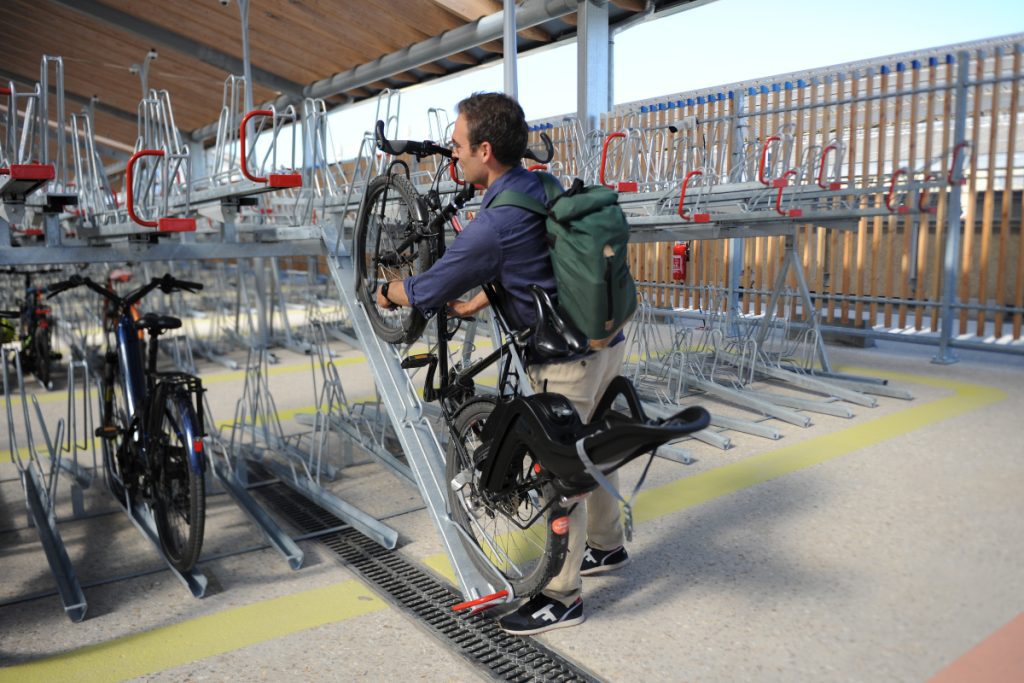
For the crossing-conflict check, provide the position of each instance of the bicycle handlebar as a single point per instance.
(429, 147)
(167, 284)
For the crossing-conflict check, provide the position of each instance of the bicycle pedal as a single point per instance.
(107, 432)
(418, 360)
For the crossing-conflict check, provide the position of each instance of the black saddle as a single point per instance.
(157, 324)
(547, 428)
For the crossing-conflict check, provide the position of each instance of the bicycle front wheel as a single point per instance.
(179, 494)
(42, 350)
(528, 558)
(387, 247)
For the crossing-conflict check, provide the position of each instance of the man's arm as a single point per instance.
(464, 309)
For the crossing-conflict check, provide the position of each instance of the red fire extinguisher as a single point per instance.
(680, 255)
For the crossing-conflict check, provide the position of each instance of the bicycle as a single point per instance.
(515, 465)
(152, 432)
(35, 330)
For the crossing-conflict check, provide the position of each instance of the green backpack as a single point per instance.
(588, 235)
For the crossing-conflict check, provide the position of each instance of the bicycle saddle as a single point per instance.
(156, 324)
(553, 336)
(547, 427)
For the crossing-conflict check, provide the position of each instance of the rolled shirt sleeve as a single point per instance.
(473, 258)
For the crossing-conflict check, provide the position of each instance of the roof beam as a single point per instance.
(471, 10)
(182, 44)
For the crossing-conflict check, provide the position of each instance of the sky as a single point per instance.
(723, 42)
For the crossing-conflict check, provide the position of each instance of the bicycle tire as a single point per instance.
(179, 491)
(528, 559)
(388, 215)
(112, 416)
(42, 349)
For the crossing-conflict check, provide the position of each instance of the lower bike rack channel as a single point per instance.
(476, 638)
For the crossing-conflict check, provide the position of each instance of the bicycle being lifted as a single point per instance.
(151, 422)
(515, 463)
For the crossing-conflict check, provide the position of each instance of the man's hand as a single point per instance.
(383, 302)
(464, 309)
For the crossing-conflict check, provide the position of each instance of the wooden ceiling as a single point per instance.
(292, 43)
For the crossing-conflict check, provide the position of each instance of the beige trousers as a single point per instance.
(596, 521)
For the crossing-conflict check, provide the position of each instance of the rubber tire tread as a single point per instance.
(413, 323)
(184, 559)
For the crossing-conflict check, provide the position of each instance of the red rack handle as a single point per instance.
(241, 138)
(764, 158)
(952, 164)
(682, 195)
(922, 198)
(537, 167)
(604, 154)
(821, 168)
(892, 188)
(128, 172)
(792, 213)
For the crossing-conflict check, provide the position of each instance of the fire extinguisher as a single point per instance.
(680, 255)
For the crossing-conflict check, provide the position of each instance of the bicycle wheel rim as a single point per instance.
(179, 496)
(526, 558)
(386, 223)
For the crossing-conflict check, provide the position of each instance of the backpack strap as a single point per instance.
(518, 199)
(552, 188)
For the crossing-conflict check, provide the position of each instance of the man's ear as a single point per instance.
(486, 153)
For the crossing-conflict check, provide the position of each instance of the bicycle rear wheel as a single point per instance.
(387, 248)
(113, 430)
(527, 558)
(179, 493)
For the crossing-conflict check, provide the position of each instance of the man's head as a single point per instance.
(490, 135)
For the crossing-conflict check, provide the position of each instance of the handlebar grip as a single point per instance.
(383, 144)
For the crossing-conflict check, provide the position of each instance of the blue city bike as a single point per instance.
(152, 428)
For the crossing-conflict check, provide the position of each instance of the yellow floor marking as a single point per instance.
(170, 646)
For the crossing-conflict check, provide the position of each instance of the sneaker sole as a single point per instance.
(549, 627)
(604, 568)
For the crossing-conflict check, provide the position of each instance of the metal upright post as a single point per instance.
(511, 48)
(738, 131)
(951, 268)
(592, 72)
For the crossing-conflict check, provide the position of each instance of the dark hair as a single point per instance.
(498, 119)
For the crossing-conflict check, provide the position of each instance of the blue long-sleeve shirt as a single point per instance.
(505, 245)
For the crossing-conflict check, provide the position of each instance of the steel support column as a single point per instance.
(511, 47)
(951, 264)
(593, 94)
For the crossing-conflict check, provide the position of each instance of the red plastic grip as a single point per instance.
(682, 195)
(129, 170)
(792, 213)
(604, 154)
(479, 601)
(892, 188)
(241, 138)
(821, 169)
(952, 164)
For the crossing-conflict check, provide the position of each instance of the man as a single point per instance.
(507, 245)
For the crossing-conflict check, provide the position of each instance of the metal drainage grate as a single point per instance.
(476, 638)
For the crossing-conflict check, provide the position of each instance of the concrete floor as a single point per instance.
(878, 548)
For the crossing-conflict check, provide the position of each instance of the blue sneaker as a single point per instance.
(600, 561)
(541, 613)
